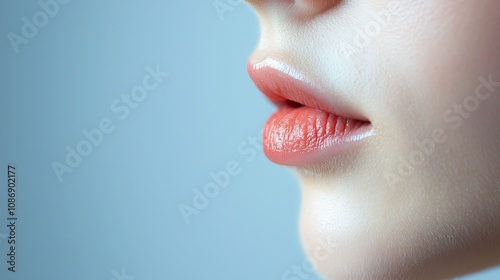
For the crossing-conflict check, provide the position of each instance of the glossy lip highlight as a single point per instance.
(308, 126)
(280, 81)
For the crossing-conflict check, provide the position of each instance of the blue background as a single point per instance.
(117, 212)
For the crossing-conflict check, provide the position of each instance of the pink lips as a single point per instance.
(308, 126)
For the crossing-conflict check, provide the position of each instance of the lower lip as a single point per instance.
(297, 136)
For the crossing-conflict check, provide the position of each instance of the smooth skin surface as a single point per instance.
(421, 198)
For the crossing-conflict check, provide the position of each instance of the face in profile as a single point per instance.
(389, 112)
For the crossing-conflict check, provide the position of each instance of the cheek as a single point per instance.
(429, 64)
(426, 63)
(417, 68)
(433, 55)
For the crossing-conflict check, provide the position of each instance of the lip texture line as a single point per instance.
(307, 125)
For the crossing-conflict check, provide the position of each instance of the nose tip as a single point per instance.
(303, 7)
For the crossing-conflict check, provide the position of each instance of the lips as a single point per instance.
(309, 125)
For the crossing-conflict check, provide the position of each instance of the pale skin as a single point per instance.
(428, 75)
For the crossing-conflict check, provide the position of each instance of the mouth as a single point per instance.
(309, 126)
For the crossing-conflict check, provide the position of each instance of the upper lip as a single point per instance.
(281, 83)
